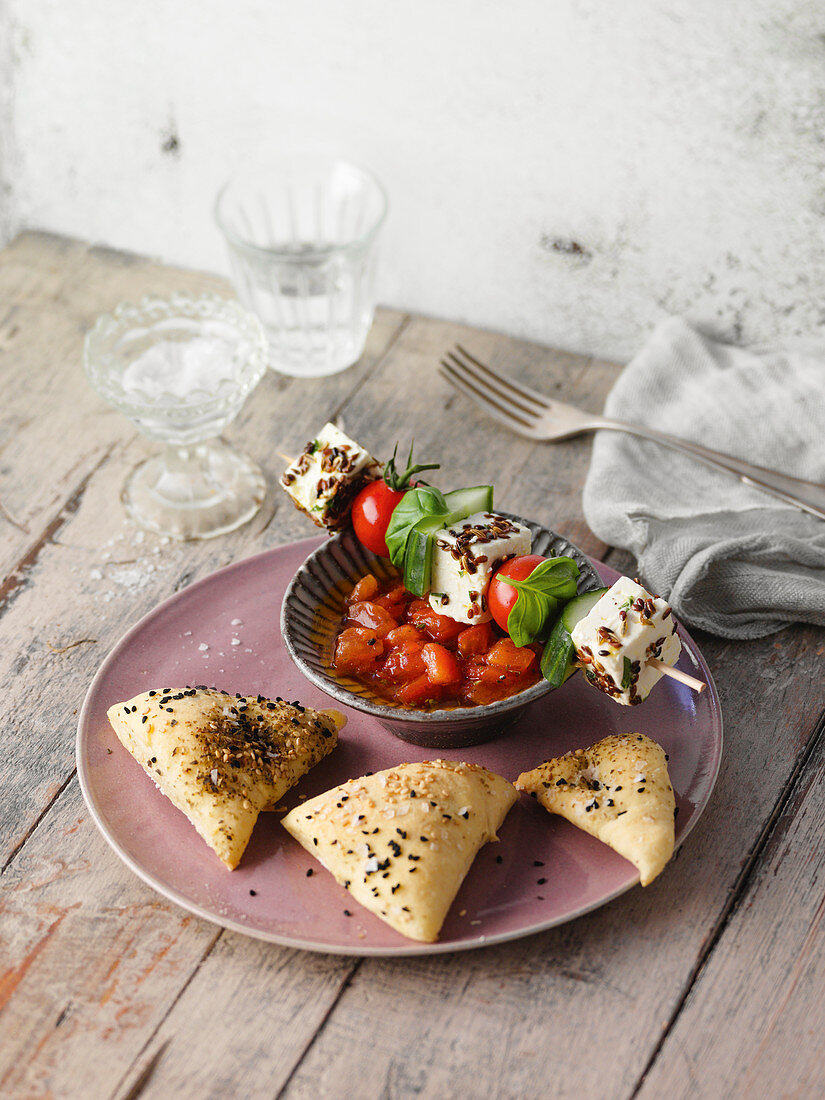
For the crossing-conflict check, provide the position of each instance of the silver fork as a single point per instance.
(531, 414)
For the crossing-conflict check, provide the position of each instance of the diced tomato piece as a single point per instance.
(372, 616)
(442, 667)
(419, 691)
(487, 674)
(441, 628)
(405, 663)
(402, 635)
(511, 657)
(357, 649)
(395, 607)
(475, 640)
(395, 595)
(419, 605)
(365, 589)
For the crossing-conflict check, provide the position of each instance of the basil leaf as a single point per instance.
(423, 501)
(539, 597)
(529, 615)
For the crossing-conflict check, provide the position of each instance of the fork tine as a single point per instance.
(516, 423)
(513, 404)
(522, 390)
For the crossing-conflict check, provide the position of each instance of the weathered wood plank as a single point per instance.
(54, 430)
(243, 1022)
(753, 1020)
(91, 961)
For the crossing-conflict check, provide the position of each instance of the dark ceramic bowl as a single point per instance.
(311, 616)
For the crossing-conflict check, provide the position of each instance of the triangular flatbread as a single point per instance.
(619, 790)
(222, 758)
(402, 840)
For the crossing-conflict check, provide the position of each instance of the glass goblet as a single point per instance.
(180, 368)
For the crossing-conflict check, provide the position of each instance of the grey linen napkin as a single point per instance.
(730, 559)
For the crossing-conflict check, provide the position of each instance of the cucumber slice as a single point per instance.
(418, 549)
(418, 555)
(558, 661)
(464, 502)
(579, 606)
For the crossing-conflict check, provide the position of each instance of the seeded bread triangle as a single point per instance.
(619, 791)
(402, 840)
(222, 758)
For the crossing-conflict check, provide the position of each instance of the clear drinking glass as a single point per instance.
(302, 237)
(181, 368)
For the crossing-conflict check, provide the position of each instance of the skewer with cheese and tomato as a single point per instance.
(473, 565)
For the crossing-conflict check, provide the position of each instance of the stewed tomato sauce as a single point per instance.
(412, 656)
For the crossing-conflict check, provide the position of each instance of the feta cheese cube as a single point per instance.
(615, 640)
(325, 477)
(464, 558)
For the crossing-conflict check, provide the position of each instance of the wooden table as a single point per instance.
(707, 983)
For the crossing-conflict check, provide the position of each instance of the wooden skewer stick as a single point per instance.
(673, 673)
(676, 674)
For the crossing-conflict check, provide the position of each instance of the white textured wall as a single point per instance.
(566, 170)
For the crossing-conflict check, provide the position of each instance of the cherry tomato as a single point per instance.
(500, 595)
(372, 509)
(371, 512)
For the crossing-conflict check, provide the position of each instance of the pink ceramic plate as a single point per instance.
(542, 873)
